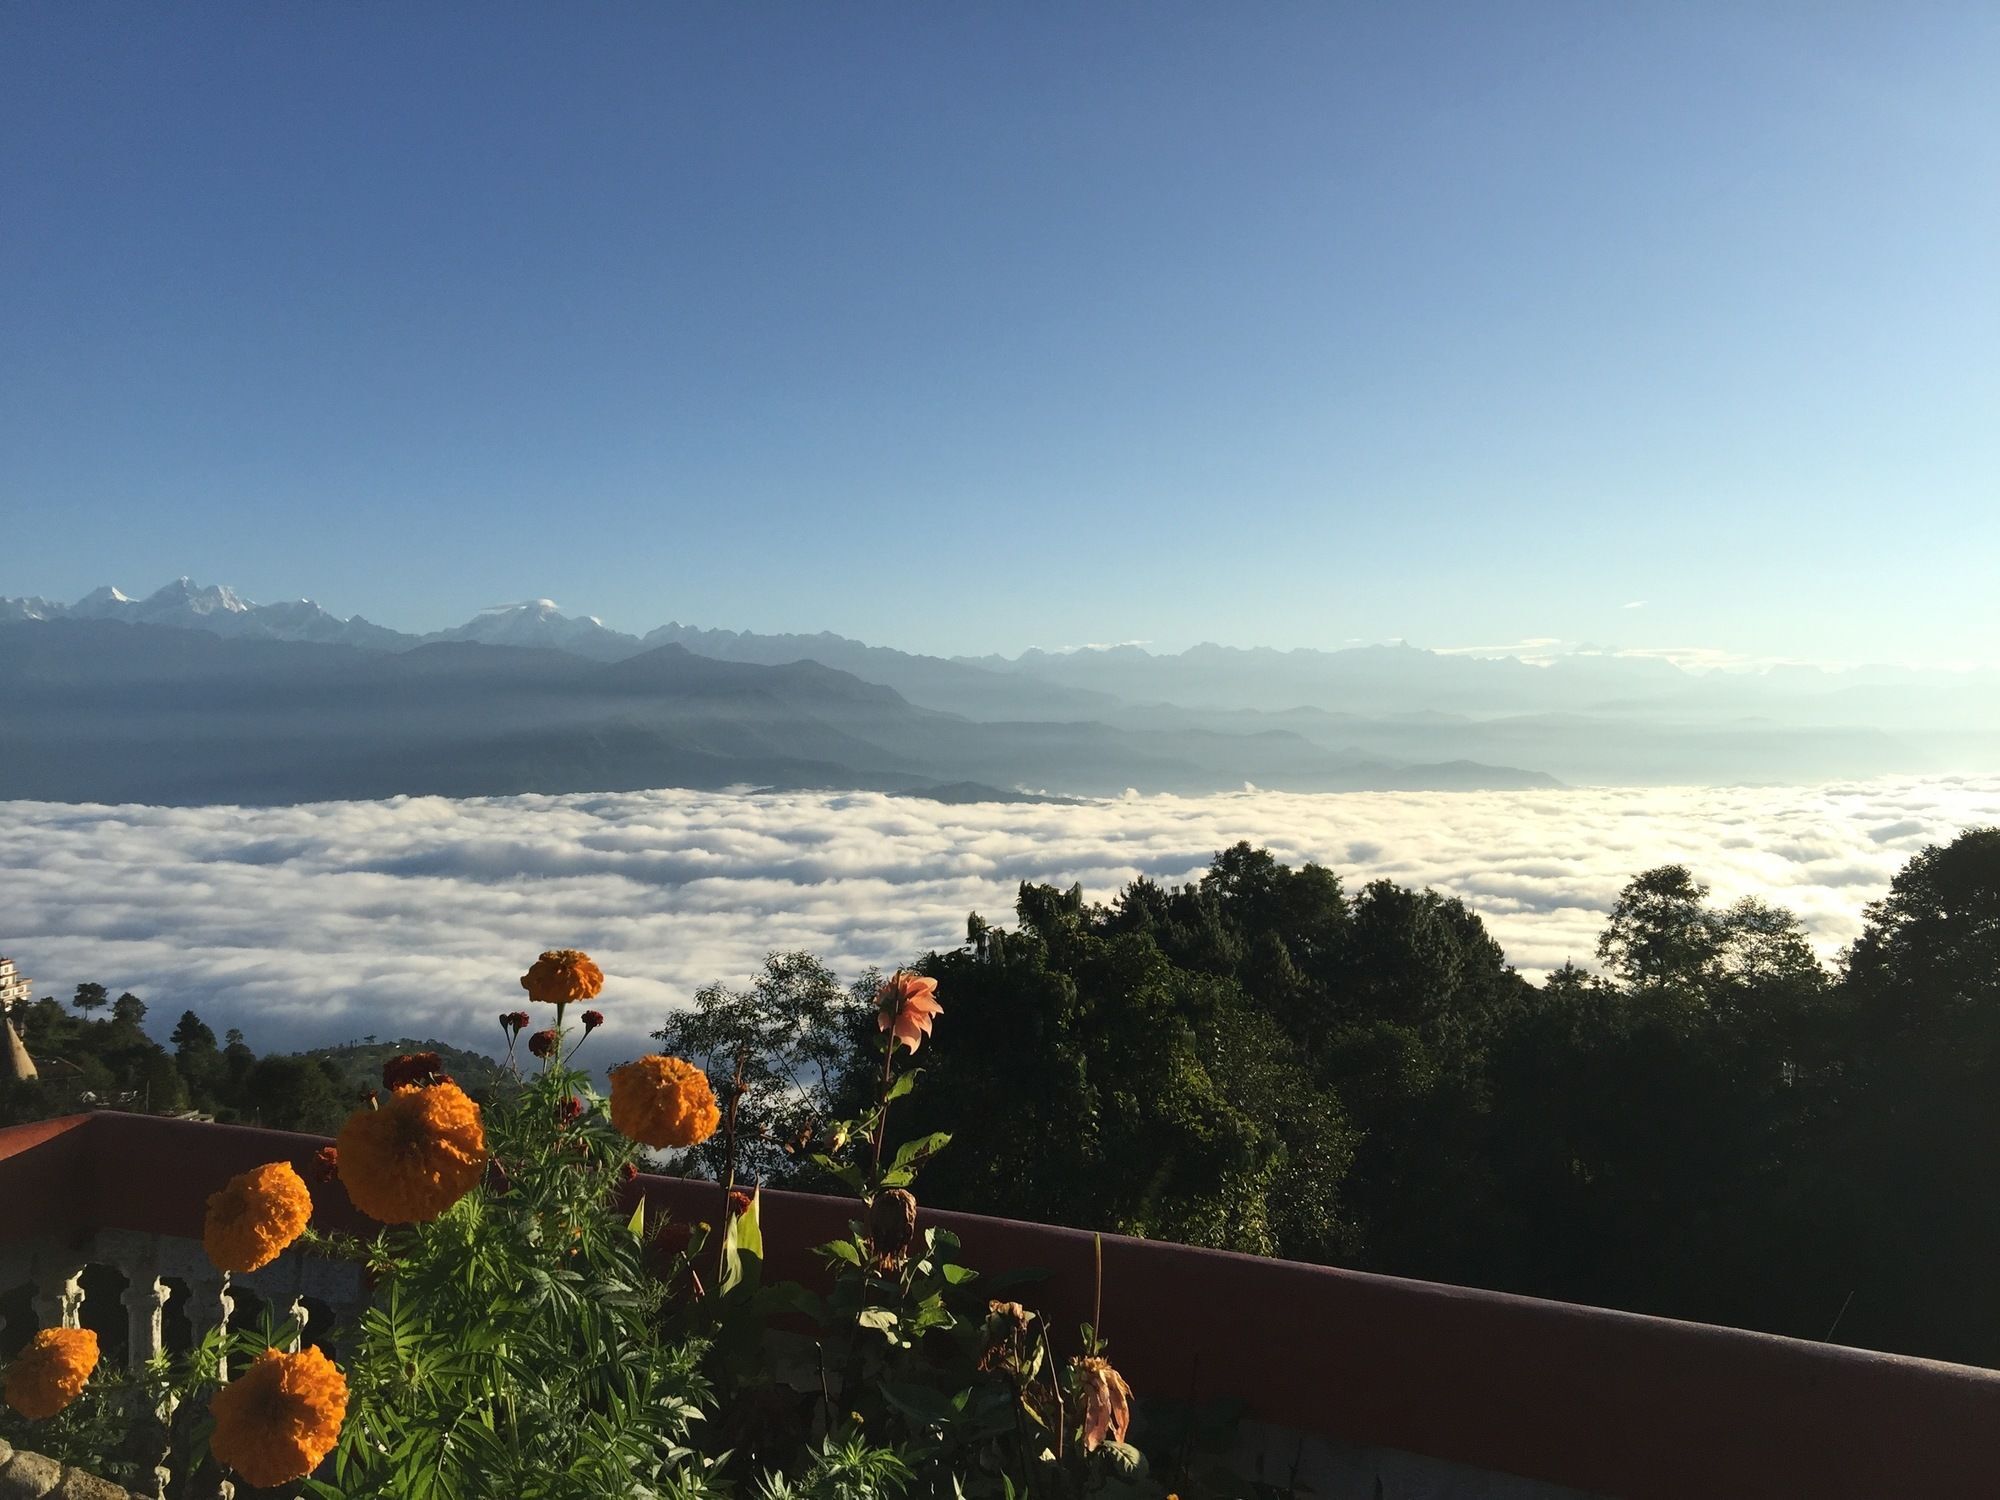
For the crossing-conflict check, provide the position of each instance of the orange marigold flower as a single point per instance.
(562, 975)
(412, 1068)
(1107, 1401)
(278, 1420)
(410, 1160)
(663, 1101)
(50, 1373)
(255, 1216)
(905, 1005)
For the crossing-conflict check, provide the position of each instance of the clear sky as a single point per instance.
(968, 327)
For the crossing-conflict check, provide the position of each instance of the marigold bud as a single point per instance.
(515, 1021)
(592, 1019)
(739, 1203)
(326, 1164)
(544, 1042)
(628, 1172)
(572, 1109)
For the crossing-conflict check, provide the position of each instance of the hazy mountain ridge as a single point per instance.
(1102, 718)
(108, 711)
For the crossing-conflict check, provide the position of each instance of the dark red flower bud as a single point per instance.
(627, 1172)
(739, 1203)
(326, 1164)
(592, 1019)
(572, 1109)
(543, 1043)
(513, 1021)
(413, 1070)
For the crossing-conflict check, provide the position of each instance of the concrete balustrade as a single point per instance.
(1364, 1386)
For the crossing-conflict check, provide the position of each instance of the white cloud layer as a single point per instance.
(307, 925)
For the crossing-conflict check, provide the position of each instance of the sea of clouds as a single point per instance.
(317, 924)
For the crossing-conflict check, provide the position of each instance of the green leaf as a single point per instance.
(742, 1248)
(842, 1250)
(912, 1152)
(904, 1083)
(920, 1403)
(637, 1223)
(749, 1226)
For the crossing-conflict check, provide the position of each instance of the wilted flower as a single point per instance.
(663, 1101)
(409, 1161)
(255, 1216)
(51, 1372)
(326, 1164)
(592, 1019)
(412, 1070)
(892, 1225)
(278, 1420)
(904, 1006)
(1007, 1326)
(543, 1043)
(1107, 1400)
(562, 975)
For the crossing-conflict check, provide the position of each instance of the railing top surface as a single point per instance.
(1611, 1402)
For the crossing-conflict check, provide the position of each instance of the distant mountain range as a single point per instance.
(196, 694)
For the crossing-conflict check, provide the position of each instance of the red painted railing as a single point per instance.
(1602, 1401)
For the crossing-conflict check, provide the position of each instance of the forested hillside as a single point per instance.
(1713, 1127)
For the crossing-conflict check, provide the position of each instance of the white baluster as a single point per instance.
(299, 1314)
(145, 1300)
(209, 1306)
(58, 1299)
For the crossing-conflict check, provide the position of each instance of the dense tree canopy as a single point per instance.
(1714, 1126)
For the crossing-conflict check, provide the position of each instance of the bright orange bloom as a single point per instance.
(410, 1160)
(50, 1373)
(279, 1419)
(663, 1101)
(905, 1005)
(252, 1219)
(562, 975)
(1107, 1401)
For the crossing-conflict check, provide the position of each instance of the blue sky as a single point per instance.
(979, 327)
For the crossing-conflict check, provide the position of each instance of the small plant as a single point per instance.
(532, 1335)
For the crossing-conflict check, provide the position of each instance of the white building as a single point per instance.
(14, 985)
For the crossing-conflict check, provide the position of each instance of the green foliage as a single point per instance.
(792, 1033)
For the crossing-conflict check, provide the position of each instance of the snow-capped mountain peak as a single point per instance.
(538, 622)
(217, 608)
